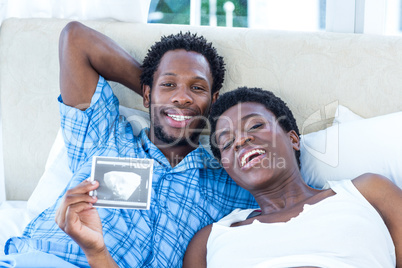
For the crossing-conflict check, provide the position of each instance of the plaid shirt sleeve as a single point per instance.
(92, 128)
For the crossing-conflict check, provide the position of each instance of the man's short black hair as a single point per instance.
(244, 94)
(189, 42)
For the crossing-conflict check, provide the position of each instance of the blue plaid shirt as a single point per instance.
(193, 194)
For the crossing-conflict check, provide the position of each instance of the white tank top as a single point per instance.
(342, 230)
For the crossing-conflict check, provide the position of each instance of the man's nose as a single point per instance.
(182, 96)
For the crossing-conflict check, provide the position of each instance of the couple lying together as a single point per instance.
(351, 224)
(193, 220)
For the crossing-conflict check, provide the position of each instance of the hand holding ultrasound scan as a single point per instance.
(114, 183)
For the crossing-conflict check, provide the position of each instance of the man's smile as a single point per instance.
(179, 117)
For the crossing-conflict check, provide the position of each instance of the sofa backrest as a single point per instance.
(311, 71)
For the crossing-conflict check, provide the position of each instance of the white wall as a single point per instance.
(122, 10)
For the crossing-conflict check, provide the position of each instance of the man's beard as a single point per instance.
(178, 141)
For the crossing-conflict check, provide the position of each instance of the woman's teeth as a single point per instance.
(248, 154)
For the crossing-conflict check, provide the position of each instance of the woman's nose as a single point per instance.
(242, 140)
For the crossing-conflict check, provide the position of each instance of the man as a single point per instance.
(179, 80)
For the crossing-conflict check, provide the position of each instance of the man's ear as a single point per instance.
(146, 91)
(294, 138)
(214, 97)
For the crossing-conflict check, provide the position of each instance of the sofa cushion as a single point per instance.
(347, 150)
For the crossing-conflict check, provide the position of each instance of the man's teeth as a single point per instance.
(247, 155)
(179, 117)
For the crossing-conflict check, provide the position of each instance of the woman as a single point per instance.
(352, 224)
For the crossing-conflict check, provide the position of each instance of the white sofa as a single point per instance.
(313, 72)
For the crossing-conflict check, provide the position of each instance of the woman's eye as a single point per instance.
(255, 126)
(227, 145)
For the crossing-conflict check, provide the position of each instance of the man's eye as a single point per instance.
(167, 84)
(198, 88)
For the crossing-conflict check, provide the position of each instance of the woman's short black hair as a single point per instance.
(189, 42)
(244, 94)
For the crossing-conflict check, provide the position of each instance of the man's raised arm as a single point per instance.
(84, 54)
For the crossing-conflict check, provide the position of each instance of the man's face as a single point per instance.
(180, 98)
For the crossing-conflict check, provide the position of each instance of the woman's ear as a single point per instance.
(294, 138)
(146, 98)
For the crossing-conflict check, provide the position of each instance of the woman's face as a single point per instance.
(254, 148)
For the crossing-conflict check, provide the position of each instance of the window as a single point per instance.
(202, 12)
(293, 15)
(393, 22)
(350, 16)
(305, 15)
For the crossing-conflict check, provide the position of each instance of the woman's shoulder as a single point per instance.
(372, 184)
(378, 190)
